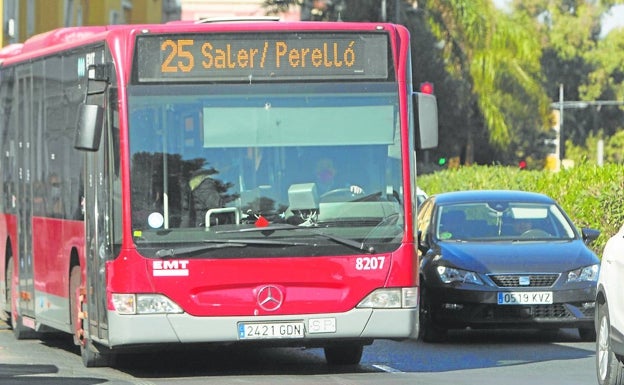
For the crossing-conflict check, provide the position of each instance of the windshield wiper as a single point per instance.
(267, 230)
(189, 251)
(245, 242)
(221, 244)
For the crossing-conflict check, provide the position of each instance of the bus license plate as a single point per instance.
(525, 298)
(256, 331)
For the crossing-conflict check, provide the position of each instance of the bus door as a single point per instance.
(98, 218)
(25, 290)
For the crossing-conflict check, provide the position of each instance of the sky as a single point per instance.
(615, 17)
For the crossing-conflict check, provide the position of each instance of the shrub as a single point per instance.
(591, 195)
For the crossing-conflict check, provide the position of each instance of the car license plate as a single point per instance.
(525, 298)
(256, 331)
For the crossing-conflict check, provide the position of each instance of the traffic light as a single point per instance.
(426, 88)
(522, 164)
(442, 161)
(551, 142)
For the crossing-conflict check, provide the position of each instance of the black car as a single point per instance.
(503, 259)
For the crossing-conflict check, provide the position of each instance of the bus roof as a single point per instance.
(68, 37)
(11, 50)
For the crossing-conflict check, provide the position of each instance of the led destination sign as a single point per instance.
(301, 56)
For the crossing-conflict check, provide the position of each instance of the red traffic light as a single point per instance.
(522, 164)
(426, 88)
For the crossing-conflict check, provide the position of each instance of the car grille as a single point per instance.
(535, 312)
(555, 311)
(535, 280)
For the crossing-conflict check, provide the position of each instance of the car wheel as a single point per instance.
(349, 354)
(609, 369)
(587, 334)
(429, 331)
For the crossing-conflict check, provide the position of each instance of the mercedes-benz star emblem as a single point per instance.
(270, 298)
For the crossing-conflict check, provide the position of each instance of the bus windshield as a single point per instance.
(210, 158)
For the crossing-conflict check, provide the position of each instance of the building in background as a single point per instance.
(206, 9)
(22, 19)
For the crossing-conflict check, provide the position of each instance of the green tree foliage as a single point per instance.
(607, 75)
(588, 152)
(496, 72)
(577, 56)
(499, 58)
(582, 191)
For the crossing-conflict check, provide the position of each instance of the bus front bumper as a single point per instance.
(358, 324)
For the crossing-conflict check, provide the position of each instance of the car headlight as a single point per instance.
(584, 274)
(452, 274)
(144, 304)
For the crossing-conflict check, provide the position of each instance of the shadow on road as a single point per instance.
(466, 349)
(231, 361)
(17, 374)
(477, 349)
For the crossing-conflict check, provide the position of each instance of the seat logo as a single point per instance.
(524, 280)
(270, 298)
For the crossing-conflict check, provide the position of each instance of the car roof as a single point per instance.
(491, 195)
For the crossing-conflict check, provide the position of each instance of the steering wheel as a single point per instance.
(338, 195)
(535, 233)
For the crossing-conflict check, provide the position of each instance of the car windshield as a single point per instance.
(210, 158)
(494, 221)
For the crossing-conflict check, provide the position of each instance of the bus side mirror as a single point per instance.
(89, 127)
(91, 111)
(426, 116)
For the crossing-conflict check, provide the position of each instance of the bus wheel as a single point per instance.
(94, 355)
(74, 304)
(20, 332)
(348, 354)
(8, 282)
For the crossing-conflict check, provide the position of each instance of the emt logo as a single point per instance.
(174, 268)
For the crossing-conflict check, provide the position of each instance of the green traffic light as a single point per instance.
(442, 161)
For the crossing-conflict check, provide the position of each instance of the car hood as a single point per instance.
(510, 257)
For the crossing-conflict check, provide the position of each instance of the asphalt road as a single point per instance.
(470, 357)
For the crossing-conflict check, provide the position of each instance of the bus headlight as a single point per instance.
(144, 304)
(391, 298)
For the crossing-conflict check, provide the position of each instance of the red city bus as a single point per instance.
(247, 182)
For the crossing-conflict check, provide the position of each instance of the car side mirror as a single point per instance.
(423, 244)
(589, 235)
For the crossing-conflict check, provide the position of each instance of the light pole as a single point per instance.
(576, 104)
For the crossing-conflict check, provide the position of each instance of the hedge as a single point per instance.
(591, 195)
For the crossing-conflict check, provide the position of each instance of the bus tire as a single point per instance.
(20, 332)
(348, 354)
(8, 282)
(94, 355)
(74, 285)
